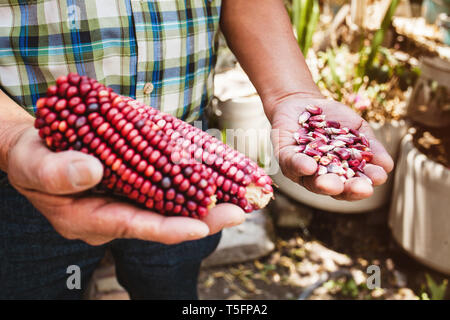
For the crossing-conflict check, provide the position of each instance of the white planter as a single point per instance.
(420, 215)
(240, 113)
(245, 126)
(389, 134)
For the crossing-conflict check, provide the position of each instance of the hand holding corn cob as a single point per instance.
(150, 157)
(134, 157)
(54, 182)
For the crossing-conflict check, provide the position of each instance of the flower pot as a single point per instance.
(432, 8)
(245, 126)
(239, 113)
(419, 216)
(444, 24)
(389, 134)
(429, 103)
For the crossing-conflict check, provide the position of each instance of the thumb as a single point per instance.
(68, 172)
(32, 166)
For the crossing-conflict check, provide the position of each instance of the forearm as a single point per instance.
(260, 35)
(13, 121)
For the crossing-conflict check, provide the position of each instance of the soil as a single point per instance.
(342, 245)
(433, 142)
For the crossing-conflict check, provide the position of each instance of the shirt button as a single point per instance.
(148, 88)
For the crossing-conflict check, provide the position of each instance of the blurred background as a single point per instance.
(389, 60)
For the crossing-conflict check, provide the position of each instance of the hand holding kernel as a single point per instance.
(303, 168)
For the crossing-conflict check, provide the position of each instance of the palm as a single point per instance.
(296, 165)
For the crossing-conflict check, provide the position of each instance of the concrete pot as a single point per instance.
(245, 113)
(239, 113)
(390, 135)
(419, 216)
(432, 8)
(429, 103)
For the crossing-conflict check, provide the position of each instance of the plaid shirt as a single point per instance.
(161, 52)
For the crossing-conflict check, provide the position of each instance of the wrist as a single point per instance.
(8, 139)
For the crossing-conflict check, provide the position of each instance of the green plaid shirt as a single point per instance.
(161, 52)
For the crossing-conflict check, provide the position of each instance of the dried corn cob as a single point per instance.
(150, 157)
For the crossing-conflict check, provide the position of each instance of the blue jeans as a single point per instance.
(34, 258)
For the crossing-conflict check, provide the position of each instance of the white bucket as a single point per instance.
(420, 213)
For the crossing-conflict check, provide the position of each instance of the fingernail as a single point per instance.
(82, 173)
(234, 223)
(197, 235)
(194, 235)
(200, 233)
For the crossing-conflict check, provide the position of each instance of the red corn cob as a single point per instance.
(150, 157)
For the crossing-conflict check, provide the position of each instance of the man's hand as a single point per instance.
(55, 185)
(301, 168)
(260, 35)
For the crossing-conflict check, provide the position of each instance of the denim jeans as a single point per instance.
(34, 258)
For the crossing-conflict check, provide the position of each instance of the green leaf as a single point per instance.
(312, 24)
(437, 291)
(295, 13)
(334, 75)
(379, 35)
